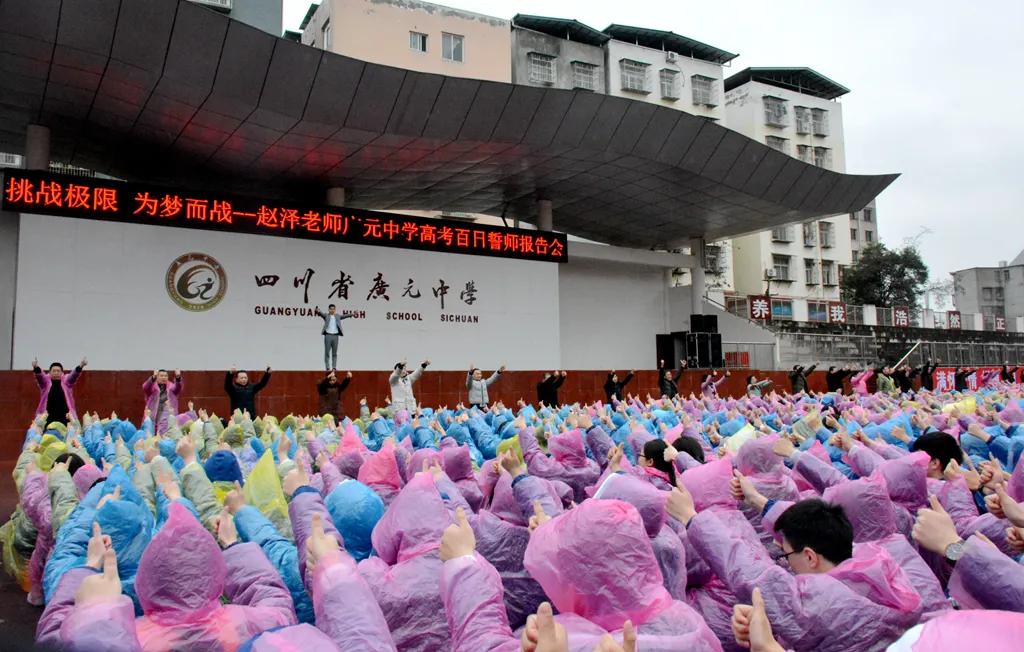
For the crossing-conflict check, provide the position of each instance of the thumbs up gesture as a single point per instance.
(934, 529)
(458, 539)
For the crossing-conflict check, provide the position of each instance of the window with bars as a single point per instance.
(823, 157)
(869, 236)
(737, 306)
(776, 143)
(819, 120)
(869, 214)
(854, 256)
(634, 75)
(803, 119)
(817, 311)
(584, 75)
(828, 272)
(781, 266)
(810, 235)
(776, 113)
(326, 29)
(805, 153)
(417, 42)
(826, 234)
(782, 310)
(705, 92)
(452, 46)
(853, 235)
(669, 84)
(542, 68)
(782, 234)
(810, 271)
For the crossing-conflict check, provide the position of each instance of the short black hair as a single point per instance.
(817, 525)
(940, 446)
(750, 378)
(329, 306)
(74, 462)
(654, 450)
(691, 447)
(56, 364)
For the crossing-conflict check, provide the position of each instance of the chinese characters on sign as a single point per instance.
(837, 312)
(760, 308)
(901, 317)
(1000, 323)
(378, 287)
(43, 192)
(954, 320)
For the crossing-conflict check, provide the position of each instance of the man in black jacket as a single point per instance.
(1006, 374)
(798, 377)
(612, 387)
(904, 377)
(927, 372)
(960, 378)
(835, 377)
(547, 389)
(242, 394)
(668, 383)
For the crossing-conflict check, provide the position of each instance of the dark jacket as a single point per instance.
(799, 378)
(960, 379)
(243, 397)
(668, 386)
(904, 379)
(1008, 375)
(338, 317)
(612, 388)
(547, 390)
(330, 397)
(927, 372)
(834, 379)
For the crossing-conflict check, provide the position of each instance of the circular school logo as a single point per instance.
(196, 282)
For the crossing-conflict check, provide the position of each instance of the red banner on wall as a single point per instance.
(837, 312)
(955, 322)
(760, 308)
(901, 317)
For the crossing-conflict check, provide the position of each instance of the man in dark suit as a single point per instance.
(331, 332)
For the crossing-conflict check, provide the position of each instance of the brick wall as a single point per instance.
(295, 391)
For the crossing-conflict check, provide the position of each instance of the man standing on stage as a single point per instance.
(56, 391)
(331, 332)
(241, 393)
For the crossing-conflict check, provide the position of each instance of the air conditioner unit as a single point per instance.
(671, 57)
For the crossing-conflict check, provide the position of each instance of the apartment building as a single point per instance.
(266, 15)
(996, 293)
(558, 53)
(413, 35)
(863, 230)
(793, 110)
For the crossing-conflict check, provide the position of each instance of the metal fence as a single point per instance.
(749, 355)
(802, 348)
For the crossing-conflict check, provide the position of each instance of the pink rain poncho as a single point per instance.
(459, 466)
(180, 580)
(862, 604)
(991, 631)
(380, 473)
(404, 576)
(568, 461)
(985, 578)
(596, 564)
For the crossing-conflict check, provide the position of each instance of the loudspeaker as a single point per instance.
(704, 323)
(665, 345)
(692, 347)
(703, 350)
(715, 341)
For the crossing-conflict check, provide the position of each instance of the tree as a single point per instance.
(886, 277)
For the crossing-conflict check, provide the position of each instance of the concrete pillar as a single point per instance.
(336, 197)
(37, 147)
(697, 282)
(545, 216)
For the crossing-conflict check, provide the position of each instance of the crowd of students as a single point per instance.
(772, 521)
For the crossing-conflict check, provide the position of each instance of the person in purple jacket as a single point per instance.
(709, 383)
(161, 397)
(56, 391)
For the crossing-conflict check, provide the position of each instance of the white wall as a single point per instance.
(106, 298)
(610, 315)
(687, 67)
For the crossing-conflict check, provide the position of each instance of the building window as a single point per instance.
(781, 266)
(782, 310)
(869, 214)
(853, 235)
(737, 306)
(828, 272)
(542, 68)
(826, 234)
(776, 113)
(417, 42)
(805, 153)
(782, 234)
(1006, 275)
(584, 75)
(854, 256)
(986, 294)
(669, 84)
(705, 92)
(803, 119)
(634, 75)
(869, 236)
(776, 143)
(452, 47)
(810, 271)
(326, 31)
(810, 234)
(817, 311)
(999, 294)
(823, 157)
(819, 119)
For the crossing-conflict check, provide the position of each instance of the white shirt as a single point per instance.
(332, 324)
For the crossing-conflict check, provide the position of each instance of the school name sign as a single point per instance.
(116, 201)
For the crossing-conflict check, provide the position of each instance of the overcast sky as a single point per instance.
(936, 95)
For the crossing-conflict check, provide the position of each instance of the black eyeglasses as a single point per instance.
(784, 555)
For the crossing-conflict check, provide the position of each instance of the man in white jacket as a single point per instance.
(401, 382)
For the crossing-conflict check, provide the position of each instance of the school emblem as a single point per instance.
(196, 282)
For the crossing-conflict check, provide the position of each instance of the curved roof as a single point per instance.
(567, 28)
(660, 39)
(168, 91)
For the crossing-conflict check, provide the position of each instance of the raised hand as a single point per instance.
(319, 544)
(1001, 505)
(615, 457)
(100, 586)
(458, 539)
(744, 490)
(542, 633)
(539, 518)
(934, 529)
(99, 544)
(235, 500)
(168, 485)
(680, 504)
(751, 627)
(114, 495)
(293, 480)
(227, 535)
